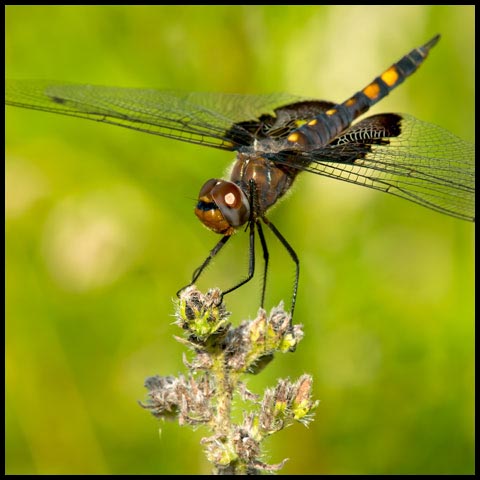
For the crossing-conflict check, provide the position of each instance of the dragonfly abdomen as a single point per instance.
(388, 80)
(322, 129)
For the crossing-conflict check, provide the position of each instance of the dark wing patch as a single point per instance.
(355, 142)
(283, 121)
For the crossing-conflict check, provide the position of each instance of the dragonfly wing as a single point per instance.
(202, 118)
(402, 156)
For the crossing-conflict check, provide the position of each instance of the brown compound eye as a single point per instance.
(232, 202)
(222, 206)
(206, 190)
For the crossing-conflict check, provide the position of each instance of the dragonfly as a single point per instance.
(276, 137)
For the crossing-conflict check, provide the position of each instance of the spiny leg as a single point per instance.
(204, 265)
(292, 254)
(251, 260)
(265, 259)
(252, 223)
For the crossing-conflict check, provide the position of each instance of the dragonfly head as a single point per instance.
(222, 206)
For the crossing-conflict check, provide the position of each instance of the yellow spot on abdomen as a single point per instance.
(331, 111)
(312, 123)
(390, 76)
(293, 137)
(350, 102)
(372, 91)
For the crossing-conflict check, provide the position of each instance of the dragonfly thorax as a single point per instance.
(271, 180)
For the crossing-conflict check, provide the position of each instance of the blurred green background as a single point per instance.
(100, 234)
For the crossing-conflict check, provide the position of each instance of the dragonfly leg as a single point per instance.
(292, 254)
(252, 224)
(215, 250)
(204, 265)
(265, 260)
(251, 261)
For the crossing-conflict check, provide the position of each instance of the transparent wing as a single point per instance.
(421, 162)
(424, 163)
(202, 118)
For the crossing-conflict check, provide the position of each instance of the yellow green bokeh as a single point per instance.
(100, 234)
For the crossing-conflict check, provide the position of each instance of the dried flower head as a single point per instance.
(222, 354)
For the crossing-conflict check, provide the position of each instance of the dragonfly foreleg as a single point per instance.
(204, 265)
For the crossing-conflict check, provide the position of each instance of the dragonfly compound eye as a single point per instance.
(222, 206)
